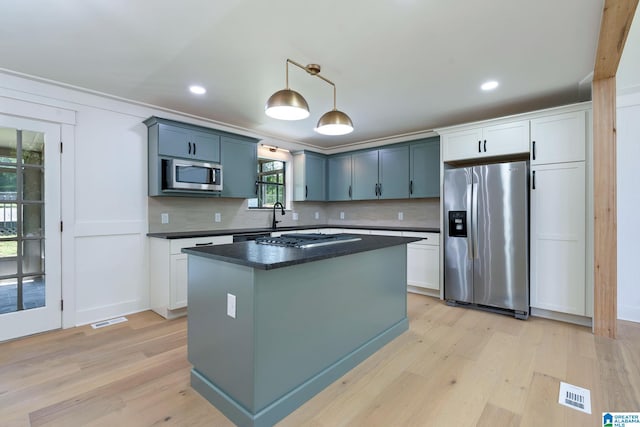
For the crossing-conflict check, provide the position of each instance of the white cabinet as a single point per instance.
(558, 231)
(558, 138)
(423, 264)
(559, 213)
(488, 141)
(168, 272)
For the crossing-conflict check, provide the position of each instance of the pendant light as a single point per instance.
(287, 104)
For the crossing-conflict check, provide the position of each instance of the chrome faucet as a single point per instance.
(274, 222)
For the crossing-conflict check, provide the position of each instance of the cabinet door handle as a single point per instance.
(256, 188)
(411, 187)
(194, 148)
(349, 191)
(534, 149)
(534, 180)
(204, 244)
(479, 146)
(380, 190)
(485, 145)
(376, 189)
(306, 191)
(189, 147)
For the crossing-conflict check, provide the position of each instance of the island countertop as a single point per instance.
(225, 232)
(268, 257)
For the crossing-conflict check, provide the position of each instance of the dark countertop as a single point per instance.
(268, 257)
(227, 232)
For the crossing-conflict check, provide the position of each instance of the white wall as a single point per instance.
(104, 193)
(628, 174)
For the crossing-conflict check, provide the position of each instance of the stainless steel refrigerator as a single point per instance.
(486, 247)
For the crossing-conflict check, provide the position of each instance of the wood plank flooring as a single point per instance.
(454, 367)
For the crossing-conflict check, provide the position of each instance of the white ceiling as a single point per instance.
(400, 66)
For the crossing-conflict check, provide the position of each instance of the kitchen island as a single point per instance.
(271, 326)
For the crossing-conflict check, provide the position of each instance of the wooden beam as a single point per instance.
(617, 16)
(605, 225)
(614, 28)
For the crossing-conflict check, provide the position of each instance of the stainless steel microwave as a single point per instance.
(180, 174)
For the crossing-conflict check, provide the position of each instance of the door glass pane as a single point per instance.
(32, 256)
(8, 183)
(32, 220)
(32, 147)
(33, 292)
(33, 183)
(8, 257)
(8, 145)
(8, 219)
(8, 296)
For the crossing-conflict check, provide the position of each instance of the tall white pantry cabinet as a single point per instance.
(558, 220)
(557, 142)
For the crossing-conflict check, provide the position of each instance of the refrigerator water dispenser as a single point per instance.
(458, 223)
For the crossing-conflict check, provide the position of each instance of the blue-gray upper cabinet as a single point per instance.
(381, 174)
(339, 177)
(239, 158)
(309, 176)
(393, 173)
(424, 169)
(364, 178)
(177, 141)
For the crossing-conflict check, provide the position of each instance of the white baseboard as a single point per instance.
(96, 314)
(562, 317)
(629, 313)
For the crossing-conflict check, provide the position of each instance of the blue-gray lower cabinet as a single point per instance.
(425, 168)
(239, 160)
(339, 177)
(295, 329)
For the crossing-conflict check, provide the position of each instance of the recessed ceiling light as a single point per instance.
(490, 85)
(198, 90)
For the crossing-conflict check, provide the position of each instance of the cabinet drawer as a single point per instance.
(178, 244)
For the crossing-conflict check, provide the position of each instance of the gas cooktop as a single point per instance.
(311, 240)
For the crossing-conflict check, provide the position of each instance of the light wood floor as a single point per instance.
(454, 367)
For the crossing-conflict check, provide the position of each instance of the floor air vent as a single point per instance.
(109, 322)
(575, 397)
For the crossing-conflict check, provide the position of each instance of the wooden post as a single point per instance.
(605, 225)
(614, 28)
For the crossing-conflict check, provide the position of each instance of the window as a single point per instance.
(271, 184)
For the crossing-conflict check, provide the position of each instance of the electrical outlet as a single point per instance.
(400, 216)
(231, 305)
(217, 217)
(294, 216)
(317, 215)
(164, 218)
(341, 215)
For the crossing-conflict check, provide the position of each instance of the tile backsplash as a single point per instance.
(198, 214)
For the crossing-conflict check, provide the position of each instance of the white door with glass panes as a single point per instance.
(30, 261)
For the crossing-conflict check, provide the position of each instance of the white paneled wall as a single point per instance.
(628, 154)
(104, 193)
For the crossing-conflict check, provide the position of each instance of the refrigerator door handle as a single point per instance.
(474, 218)
(469, 213)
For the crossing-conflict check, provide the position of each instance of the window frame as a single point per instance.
(262, 183)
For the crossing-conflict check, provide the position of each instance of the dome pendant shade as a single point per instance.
(334, 122)
(287, 104)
